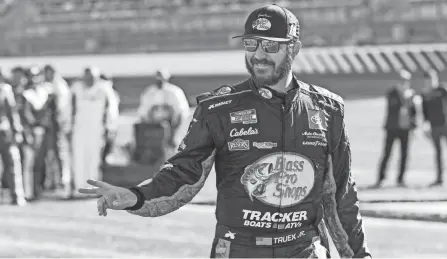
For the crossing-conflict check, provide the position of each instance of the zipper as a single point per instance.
(283, 146)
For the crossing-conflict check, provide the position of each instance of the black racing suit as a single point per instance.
(434, 107)
(283, 170)
(10, 130)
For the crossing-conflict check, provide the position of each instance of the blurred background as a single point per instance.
(355, 48)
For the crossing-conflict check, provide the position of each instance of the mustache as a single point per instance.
(256, 61)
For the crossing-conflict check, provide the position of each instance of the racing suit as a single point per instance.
(283, 172)
(10, 133)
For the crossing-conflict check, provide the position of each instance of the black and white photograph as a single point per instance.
(223, 128)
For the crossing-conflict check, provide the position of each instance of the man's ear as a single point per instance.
(296, 48)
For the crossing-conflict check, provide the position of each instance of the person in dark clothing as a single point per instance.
(400, 121)
(38, 101)
(434, 105)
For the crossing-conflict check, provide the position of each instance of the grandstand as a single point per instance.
(61, 27)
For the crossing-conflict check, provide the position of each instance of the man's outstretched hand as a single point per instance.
(112, 197)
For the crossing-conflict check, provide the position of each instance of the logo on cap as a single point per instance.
(261, 24)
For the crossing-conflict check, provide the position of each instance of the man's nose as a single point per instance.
(260, 53)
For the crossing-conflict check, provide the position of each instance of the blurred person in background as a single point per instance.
(111, 136)
(55, 122)
(38, 110)
(19, 83)
(400, 121)
(259, 134)
(434, 109)
(94, 114)
(164, 102)
(10, 138)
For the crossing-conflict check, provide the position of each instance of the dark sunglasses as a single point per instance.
(269, 46)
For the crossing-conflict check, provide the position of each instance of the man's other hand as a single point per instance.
(112, 197)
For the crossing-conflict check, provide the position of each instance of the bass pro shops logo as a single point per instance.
(279, 179)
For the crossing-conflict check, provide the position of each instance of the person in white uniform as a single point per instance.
(165, 102)
(93, 117)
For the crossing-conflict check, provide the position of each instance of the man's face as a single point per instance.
(90, 77)
(49, 75)
(18, 78)
(159, 78)
(269, 68)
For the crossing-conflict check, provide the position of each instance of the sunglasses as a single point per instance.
(269, 46)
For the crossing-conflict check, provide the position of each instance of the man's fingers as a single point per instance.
(89, 190)
(100, 205)
(98, 183)
(105, 207)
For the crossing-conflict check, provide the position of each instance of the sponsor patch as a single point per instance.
(243, 132)
(279, 179)
(230, 235)
(244, 117)
(265, 145)
(238, 145)
(268, 241)
(222, 90)
(314, 135)
(274, 220)
(315, 143)
(261, 24)
(317, 120)
(214, 105)
(266, 93)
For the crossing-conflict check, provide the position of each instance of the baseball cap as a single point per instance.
(271, 22)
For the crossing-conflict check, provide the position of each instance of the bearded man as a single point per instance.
(282, 158)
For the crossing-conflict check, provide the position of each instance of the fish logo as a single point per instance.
(255, 179)
(280, 179)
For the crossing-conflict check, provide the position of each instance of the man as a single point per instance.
(10, 137)
(38, 110)
(400, 121)
(93, 114)
(55, 119)
(434, 108)
(282, 158)
(19, 82)
(164, 104)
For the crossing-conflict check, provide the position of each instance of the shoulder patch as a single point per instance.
(223, 90)
(323, 91)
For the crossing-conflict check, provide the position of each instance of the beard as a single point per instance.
(278, 72)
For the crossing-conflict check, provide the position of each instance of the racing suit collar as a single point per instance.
(291, 92)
